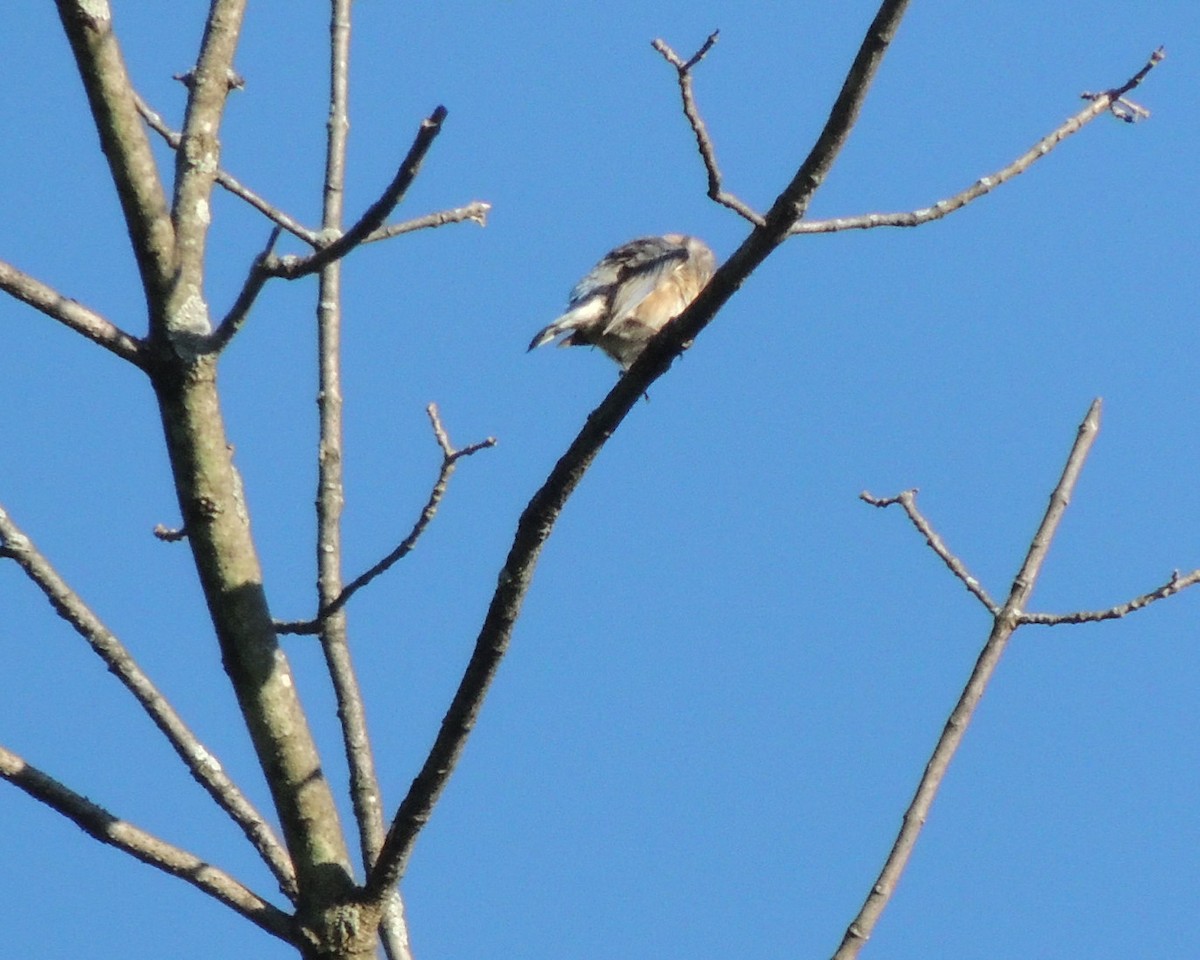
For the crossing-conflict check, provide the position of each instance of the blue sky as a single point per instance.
(729, 672)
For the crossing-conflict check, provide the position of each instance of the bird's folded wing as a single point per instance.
(641, 281)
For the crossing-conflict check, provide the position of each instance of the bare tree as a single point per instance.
(337, 886)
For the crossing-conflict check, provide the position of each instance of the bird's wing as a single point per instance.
(645, 265)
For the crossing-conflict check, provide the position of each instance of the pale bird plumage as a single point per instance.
(631, 294)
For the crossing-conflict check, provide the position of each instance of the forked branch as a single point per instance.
(374, 216)
(450, 458)
(228, 182)
(369, 226)
(1006, 619)
(908, 501)
(476, 211)
(1112, 101)
(708, 152)
(546, 505)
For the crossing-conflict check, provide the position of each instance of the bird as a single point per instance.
(631, 294)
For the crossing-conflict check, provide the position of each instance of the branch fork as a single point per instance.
(450, 458)
(1006, 618)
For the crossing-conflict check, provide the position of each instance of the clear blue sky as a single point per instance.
(729, 672)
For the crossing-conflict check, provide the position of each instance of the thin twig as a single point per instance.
(146, 847)
(708, 152)
(450, 458)
(200, 762)
(71, 313)
(1099, 103)
(908, 501)
(375, 215)
(1006, 620)
(1173, 586)
(476, 211)
(546, 505)
(156, 123)
(255, 280)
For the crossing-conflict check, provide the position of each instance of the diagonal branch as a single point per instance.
(450, 458)
(908, 501)
(373, 218)
(71, 314)
(1100, 103)
(98, 56)
(369, 228)
(146, 847)
(1006, 620)
(792, 204)
(788, 208)
(256, 279)
(476, 211)
(708, 153)
(200, 762)
(225, 180)
(544, 508)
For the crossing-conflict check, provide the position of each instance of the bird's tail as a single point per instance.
(545, 335)
(569, 322)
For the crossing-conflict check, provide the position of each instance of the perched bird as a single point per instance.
(631, 294)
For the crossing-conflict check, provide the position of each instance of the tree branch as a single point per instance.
(240, 311)
(196, 163)
(1170, 588)
(207, 485)
(330, 498)
(373, 218)
(88, 27)
(225, 180)
(1006, 620)
(1100, 103)
(147, 848)
(389, 920)
(708, 153)
(71, 314)
(544, 508)
(450, 458)
(792, 204)
(908, 501)
(476, 211)
(200, 762)
(369, 228)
